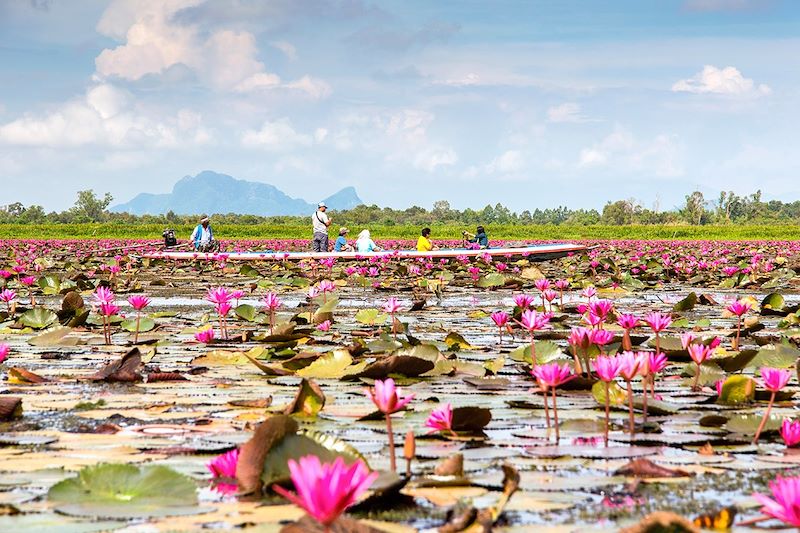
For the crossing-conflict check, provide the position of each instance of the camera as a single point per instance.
(169, 238)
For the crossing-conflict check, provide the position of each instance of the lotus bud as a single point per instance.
(409, 451)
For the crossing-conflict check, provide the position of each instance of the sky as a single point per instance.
(528, 103)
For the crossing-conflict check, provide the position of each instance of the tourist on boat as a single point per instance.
(341, 241)
(424, 243)
(320, 223)
(365, 243)
(479, 238)
(203, 237)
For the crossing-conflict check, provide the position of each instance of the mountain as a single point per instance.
(210, 192)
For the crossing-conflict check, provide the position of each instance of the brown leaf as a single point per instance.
(407, 365)
(72, 301)
(471, 418)
(459, 520)
(268, 369)
(10, 408)
(308, 401)
(342, 525)
(25, 376)
(662, 521)
(125, 369)
(451, 466)
(263, 403)
(641, 467)
(254, 452)
(165, 376)
(301, 360)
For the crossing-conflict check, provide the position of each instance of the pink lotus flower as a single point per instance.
(5, 274)
(542, 284)
(324, 491)
(687, 339)
(324, 326)
(441, 419)
(500, 318)
(656, 362)
(103, 295)
(790, 431)
(601, 308)
(589, 292)
(392, 305)
(627, 321)
(774, 379)
(523, 301)
(534, 321)
(786, 505)
(601, 337)
(272, 301)
(7, 296)
(739, 308)
(28, 280)
(108, 309)
(549, 295)
(387, 397)
(629, 365)
(552, 374)
(562, 284)
(205, 336)
(219, 295)
(699, 353)
(4, 349)
(223, 470)
(607, 367)
(139, 302)
(658, 322)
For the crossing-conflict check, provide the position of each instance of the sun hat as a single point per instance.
(321, 204)
(343, 230)
(204, 218)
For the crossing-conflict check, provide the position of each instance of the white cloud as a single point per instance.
(508, 162)
(287, 48)
(621, 151)
(105, 116)
(153, 42)
(725, 81)
(277, 136)
(566, 112)
(430, 160)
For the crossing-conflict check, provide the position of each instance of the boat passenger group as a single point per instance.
(203, 240)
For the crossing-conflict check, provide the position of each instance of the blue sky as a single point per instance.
(527, 103)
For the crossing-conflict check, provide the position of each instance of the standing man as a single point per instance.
(320, 223)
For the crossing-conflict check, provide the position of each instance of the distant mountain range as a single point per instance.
(213, 193)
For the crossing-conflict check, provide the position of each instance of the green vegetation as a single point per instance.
(504, 231)
(730, 217)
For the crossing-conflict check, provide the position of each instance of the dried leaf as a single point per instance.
(641, 467)
(253, 452)
(125, 369)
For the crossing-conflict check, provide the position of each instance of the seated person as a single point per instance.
(424, 243)
(478, 238)
(365, 243)
(341, 242)
(203, 237)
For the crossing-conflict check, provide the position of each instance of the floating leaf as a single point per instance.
(145, 324)
(471, 418)
(495, 279)
(405, 365)
(455, 341)
(246, 312)
(616, 394)
(687, 304)
(309, 400)
(371, 317)
(125, 491)
(38, 318)
(773, 302)
(775, 356)
(54, 337)
(737, 389)
(329, 365)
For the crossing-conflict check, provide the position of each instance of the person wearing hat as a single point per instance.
(341, 241)
(320, 223)
(203, 236)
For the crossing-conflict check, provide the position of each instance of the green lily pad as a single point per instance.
(246, 311)
(687, 304)
(330, 365)
(145, 324)
(304, 443)
(38, 318)
(738, 389)
(125, 491)
(371, 317)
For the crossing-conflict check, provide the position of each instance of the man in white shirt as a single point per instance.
(320, 223)
(203, 237)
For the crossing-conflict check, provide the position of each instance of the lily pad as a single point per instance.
(38, 318)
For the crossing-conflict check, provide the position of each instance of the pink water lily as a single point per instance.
(324, 326)
(205, 336)
(500, 319)
(533, 321)
(739, 309)
(627, 323)
(223, 470)
(630, 364)
(138, 302)
(581, 340)
(658, 323)
(773, 379)
(550, 376)
(699, 354)
(272, 303)
(441, 419)
(103, 295)
(392, 306)
(607, 369)
(4, 350)
(786, 503)
(326, 490)
(388, 399)
(790, 432)
(219, 295)
(523, 301)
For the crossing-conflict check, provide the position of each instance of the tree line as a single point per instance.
(727, 208)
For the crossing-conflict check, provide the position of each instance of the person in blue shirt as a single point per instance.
(365, 243)
(341, 242)
(203, 237)
(478, 238)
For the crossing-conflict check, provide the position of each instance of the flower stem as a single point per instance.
(632, 426)
(136, 335)
(738, 332)
(764, 420)
(608, 403)
(696, 378)
(392, 460)
(555, 415)
(645, 381)
(533, 352)
(546, 409)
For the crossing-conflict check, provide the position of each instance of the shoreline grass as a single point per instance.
(500, 232)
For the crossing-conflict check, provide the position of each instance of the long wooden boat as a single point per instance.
(541, 252)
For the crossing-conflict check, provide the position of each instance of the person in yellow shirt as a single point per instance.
(424, 243)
